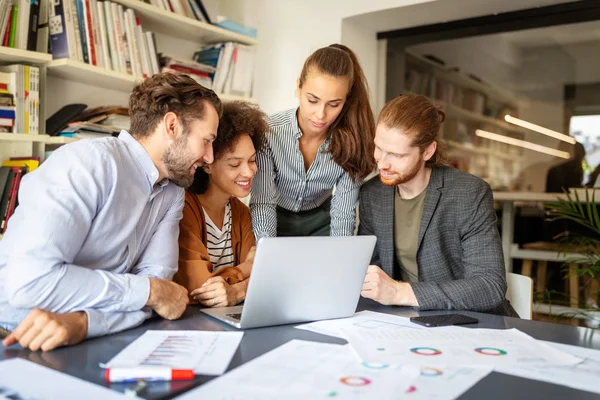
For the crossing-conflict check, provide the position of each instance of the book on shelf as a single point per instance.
(19, 99)
(236, 27)
(23, 24)
(104, 34)
(234, 67)
(201, 73)
(97, 122)
(11, 174)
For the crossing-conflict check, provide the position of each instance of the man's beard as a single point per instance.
(179, 162)
(407, 177)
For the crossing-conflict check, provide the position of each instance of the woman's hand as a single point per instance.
(215, 292)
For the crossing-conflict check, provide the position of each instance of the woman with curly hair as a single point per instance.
(216, 243)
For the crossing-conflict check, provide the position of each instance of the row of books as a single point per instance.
(233, 64)
(104, 34)
(188, 8)
(24, 24)
(11, 174)
(19, 99)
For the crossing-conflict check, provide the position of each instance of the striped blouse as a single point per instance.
(218, 241)
(282, 180)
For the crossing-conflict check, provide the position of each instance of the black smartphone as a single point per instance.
(444, 320)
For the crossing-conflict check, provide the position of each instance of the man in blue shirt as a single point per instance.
(92, 246)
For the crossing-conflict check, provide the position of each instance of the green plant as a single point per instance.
(584, 213)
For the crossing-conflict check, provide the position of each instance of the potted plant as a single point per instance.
(586, 246)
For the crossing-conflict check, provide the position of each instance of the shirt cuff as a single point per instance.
(95, 325)
(137, 295)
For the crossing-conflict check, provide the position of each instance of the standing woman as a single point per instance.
(326, 142)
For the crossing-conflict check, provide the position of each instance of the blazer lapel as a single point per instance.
(386, 210)
(432, 197)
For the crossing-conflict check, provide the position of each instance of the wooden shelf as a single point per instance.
(10, 55)
(20, 137)
(175, 25)
(481, 150)
(90, 74)
(440, 71)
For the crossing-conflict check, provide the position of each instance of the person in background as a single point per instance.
(325, 143)
(92, 246)
(568, 174)
(438, 247)
(216, 240)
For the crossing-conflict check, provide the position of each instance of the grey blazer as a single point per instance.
(459, 254)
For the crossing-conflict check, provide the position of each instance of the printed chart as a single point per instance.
(309, 370)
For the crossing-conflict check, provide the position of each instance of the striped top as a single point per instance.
(283, 181)
(218, 241)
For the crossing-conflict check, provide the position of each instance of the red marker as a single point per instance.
(148, 374)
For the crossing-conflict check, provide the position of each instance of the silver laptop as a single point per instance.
(299, 279)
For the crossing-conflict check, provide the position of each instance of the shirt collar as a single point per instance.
(143, 159)
(294, 124)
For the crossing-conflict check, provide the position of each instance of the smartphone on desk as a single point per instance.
(444, 320)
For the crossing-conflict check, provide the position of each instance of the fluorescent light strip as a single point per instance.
(539, 129)
(522, 143)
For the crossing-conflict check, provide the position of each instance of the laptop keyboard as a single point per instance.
(236, 316)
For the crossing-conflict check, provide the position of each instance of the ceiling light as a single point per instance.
(522, 143)
(539, 129)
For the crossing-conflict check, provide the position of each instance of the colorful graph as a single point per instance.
(375, 366)
(171, 351)
(429, 371)
(490, 351)
(426, 351)
(355, 381)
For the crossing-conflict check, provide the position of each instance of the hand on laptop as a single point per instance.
(380, 287)
(215, 292)
(46, 330)
(167, 298)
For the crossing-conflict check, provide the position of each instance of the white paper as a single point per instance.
(453, 346)
(308, 370)
(583, 376)
(207, 353)
(445, 383)
(25, 380)
(363, 319)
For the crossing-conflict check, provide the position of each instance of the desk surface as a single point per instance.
(544, 197)
(82, 360)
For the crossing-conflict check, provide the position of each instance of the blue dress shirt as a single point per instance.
(90, 229)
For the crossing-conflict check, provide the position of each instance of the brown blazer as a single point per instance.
(194, 262)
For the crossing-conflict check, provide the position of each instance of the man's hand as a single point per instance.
(167, 298)
(215, 292)
(46, 330)
(383, 289)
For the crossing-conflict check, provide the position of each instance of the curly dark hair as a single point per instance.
(167, 92)
(239, 118)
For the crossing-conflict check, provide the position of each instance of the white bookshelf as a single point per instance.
(178, 26)
(459, 79)
(78, 71)
(92, 75)
(26, 138)
(9, 55)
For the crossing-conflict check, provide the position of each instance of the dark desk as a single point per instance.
(82, 360)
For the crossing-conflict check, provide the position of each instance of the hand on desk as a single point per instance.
(46, 330)
(380, 287)
(215, 292)
(167, 298)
